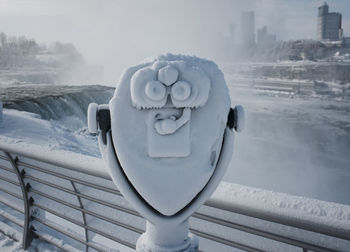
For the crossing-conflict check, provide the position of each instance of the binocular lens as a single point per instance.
(155, 90)
(181, 90)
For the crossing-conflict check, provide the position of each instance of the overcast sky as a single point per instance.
(115, 34)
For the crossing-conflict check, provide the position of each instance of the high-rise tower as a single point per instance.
(248, 28)
(329, 24)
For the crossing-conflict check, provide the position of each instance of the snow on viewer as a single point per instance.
(169, 145)
(170, 113)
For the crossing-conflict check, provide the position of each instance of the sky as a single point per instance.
(119, 33)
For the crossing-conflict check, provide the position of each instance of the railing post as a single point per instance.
(27, 229)
(83, 215)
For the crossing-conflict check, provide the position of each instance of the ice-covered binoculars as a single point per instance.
(166, 137)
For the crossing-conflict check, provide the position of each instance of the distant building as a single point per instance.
(263, 37)
(329, 24)
(232, 32)
(248, 28)
(346, 41)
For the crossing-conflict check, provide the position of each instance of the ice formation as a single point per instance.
(187, 86)
(163, 85)
(168, 120)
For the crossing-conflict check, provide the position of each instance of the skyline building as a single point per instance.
(248, 28)
(329, 24)
(263, 37)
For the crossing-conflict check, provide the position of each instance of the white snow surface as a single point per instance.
(28, 128)
(188, 156)
(8, 244)
(303, 208)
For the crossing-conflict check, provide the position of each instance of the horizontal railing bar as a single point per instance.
(66, 233)
(267, 235)
(79, 181)
(199, 216)
(12, 206)
(13, 220)
(118, 240)
(42, 237)
(9, 181)
(126, 226)
(261, 233)
(208, 236)
(283, 219)
(280, 219)
(139, 231)
(225, 241)
(221, 222)
(102, 202)
(11, 193)
(53, 161)
(3, 158)
(6, 169)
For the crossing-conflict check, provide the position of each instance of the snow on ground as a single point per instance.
(8, 244)
(304, 208)
(28, 128)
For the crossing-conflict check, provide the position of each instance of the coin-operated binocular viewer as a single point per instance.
(166, 137)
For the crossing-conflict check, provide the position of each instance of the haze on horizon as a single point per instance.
(117, 34)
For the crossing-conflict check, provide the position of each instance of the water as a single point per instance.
(294, 142)
(298, 146)
(54, 102)
(59, 114)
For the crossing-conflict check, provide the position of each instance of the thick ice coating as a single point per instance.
(168, 75)
(168, 119)
(187, 86)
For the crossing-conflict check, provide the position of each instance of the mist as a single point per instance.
(117, 34)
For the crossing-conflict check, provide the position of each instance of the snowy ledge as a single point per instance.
(297, 211)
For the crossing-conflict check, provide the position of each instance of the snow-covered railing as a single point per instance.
(69, 200)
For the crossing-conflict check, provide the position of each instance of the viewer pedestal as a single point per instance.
(167, 238)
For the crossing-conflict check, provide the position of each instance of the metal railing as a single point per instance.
(50, 199)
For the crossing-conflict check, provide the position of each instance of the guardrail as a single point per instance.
(51, 199)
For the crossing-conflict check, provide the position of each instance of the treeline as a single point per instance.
(17, 52)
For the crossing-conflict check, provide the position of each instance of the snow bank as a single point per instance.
(302, 208)
(25, 129)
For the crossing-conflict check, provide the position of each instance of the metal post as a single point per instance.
(83, 215)
(27, 229)
(1, 111)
